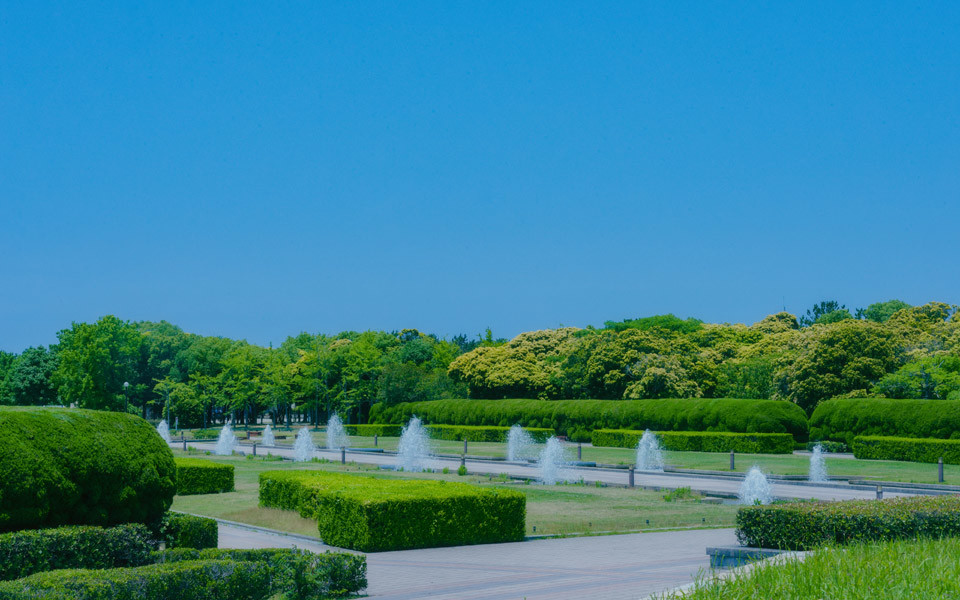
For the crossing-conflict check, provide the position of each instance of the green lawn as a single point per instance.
(555, 510)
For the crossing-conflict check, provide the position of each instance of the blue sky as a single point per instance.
(259, 169)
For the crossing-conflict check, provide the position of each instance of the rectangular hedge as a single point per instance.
(843, 419)
(178, 530)
(805, 525)
(371, 514)
(372, 430)
(909, 449)
(198, 476)
(750, 443)
(483, 433)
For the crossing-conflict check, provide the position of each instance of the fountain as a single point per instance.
(519, 443)
(551, 461)
(226, 442)
(414, 447)
(755, 488)
(268, 437)
(303, 447)
(164, 430)
(336, 434)
(649, 453)
(818, 467)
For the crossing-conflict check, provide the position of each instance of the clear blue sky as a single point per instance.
(259, 169)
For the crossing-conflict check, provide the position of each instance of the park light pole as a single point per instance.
(126, 397)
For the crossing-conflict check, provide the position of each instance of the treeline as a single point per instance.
(888, 349)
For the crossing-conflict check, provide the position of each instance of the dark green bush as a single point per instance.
(827, 446)
(178, 530)
(372, 430)
(804, 525)
(843, 419)
(187, 580)
(751, 443)
(27, 552)
(483, 433)
(63, 466)
(372, 514)
(573, 417)
(198, 476)
(205, 434)
(300, 573)
(910, 449)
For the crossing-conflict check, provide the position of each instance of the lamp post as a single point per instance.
(126, 397)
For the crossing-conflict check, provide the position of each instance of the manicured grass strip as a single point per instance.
(908, 449)
(751, 443)
(370, 514)
(804, 525)
(198, 476)
(924, 569)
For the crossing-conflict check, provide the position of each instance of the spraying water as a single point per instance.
(818, 467)
(551, 461)
(336, 434)
(755, 488)
(164, 430)
(268, 439)
(649, 453)
(519, 444)
(414, 447)
(303, 447)
(226, 442)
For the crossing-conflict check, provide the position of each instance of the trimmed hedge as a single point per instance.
(24, 553)
(372, 430)
(198, 476)
(187, 580)
(483, 433)
(843, 419)
(751, 443)
(576, 418)
(62, 466)
(805, 525)
(178, 530)
(372, 514)
(302, 574)
(910, 449)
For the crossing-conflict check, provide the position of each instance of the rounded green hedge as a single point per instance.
(699, 441)
(62, 466)
(198, 476)
(844, 419)
(576, 418)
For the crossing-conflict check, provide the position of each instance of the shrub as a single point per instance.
(300, 573)
(483, 433)
(371, 514)
(752, 443)
(64, 466)
(843, 419)
(23, 553)
(804, 525)
(178, 530)
(187, 580)
(372, 430)
(827, 446)
(911, 449)
(198, 476)
(570, 417)
(205, 434)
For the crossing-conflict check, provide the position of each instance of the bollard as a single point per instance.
(184, 440)
(374, 440)
(732, 463)
(879, 492)
(464, 446)
(630, 477)
(343, 455)
(254, 448)
(579, 451)
(940, 470)
(463, 461)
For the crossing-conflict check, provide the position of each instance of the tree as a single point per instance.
(821, 309)
(29, 381)
(879, 312)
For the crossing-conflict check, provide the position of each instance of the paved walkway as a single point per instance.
(611, 567)
(716, 485)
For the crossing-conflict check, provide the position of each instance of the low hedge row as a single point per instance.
(483, 433)
(804, 525)
(843, 419)
(373, 514)
(910, 449)
(372, 430)
(67, 466)
(751, 443)
(178, 530)
(198, 476)
(577, 418)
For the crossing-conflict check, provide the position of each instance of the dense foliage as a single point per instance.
(73, 467)
(696, 441)
(804, 525)
(483, 433)
(198, 476)
(178, 530)
(846, 418)
(372, 515)
(911, 449)
(577, 418)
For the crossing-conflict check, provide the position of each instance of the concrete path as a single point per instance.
(716, 485)
(612, 567)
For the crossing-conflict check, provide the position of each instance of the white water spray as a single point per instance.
(226, 442)
(268, 439)
(551, 461)
(818, 467)
(649, 453)
(755, 488)
(336, 434)
(414, 447)
(303, 447)
(164, 430)
(519, 444)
